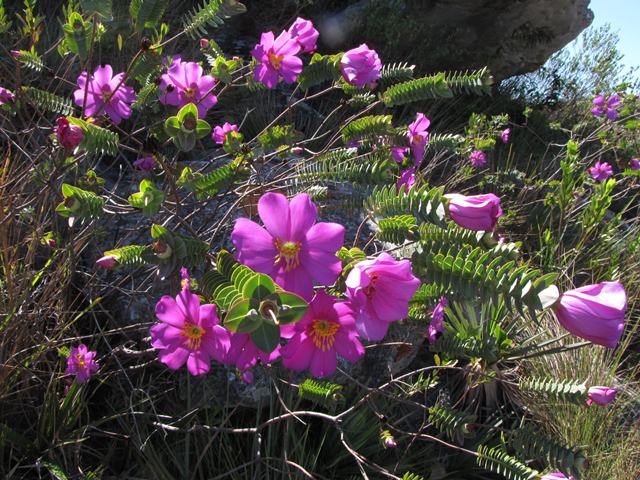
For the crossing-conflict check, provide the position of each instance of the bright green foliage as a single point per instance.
(149, 198)
(397, 229)
(568, 391)
(444, 141)
(212, 183)
(147, 13)
(146, 95)
(456, 425)
(321, 68)
(279, 136)
(132, 255)
(563, 195)
(369, 127)
(424, 203)
(97, 140)
(477, 82)
(30, 59)
(5, 24)
(598, 204)
(185, 127)
(77, 36)
(484, 273)
(498, 461)
(345, 165)
(48, 101)
(532, 444)
(320, 392)
(253, 302)
(412, 476)
(79, 203)
(425, 88)
(90, 181)
(210, 13)
(393, 73)
(361, 100)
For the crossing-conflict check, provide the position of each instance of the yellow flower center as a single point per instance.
(194, 334)
(289, 255)
(106, 94)
(275, 60)
(80, 360)
(323, 333)
(189, 92)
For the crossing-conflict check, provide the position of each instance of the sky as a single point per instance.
(624, 17)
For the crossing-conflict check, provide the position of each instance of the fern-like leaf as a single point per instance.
(371, 126)
(321, 392)
(147, 13)
(393, 73)
(477, 82)
(498, 461)
(48, 101)
(131, 255)
(424, 203)
(30, 59)
(425, 88)
(321, 68)
(569, 391)
(343, 165)
(210, 13)
(455, 424)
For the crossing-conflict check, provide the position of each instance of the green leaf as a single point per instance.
(242, 318)
(189, 110)
(97, 7)
(266, 337)
(259, 287)
(292, 309)
(202, 129)
(172, 125)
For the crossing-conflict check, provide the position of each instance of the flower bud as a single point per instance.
(68, 134)
(108, 261)
(601, 395)
(51, 242)
(475, 212)
(594, 312)
(247, 377)
(162, 250)
(204, 43)
(297, 150)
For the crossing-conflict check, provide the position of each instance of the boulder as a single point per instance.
(511, 37)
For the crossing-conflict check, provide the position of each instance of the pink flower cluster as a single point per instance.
(299, 254)
(278, 57)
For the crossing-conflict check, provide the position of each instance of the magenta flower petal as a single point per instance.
(475, 212)
(361, 66)
(255, 246)
(81, 363)
(305, 34)
(189, 304)
(601, 395)
(174, 358)
(303, 214)
(277, 59)
(198, 363)
(273, 209)
(594, 312)
(168, 311)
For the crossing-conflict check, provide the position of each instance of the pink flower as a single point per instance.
(305, 34)
(594, 312)
(419, 137)
(407, 179)
(204, 43)
(146, 164)
(244, 354)
(608, 107)
(6, 96)
(247, 377)
(478, 158)
(108, 261)
(81, 363)
(277, 57)
(184, 83)
(437, 317)
(475, 212)
(220, 132)
(188, 332)
(327, 329)
(600, 171)
(68, 134)
(634, 164)
(292, 248)
(556, 476)
(105, 93)
(361, 66)
(390, 442)
(379, 291)
(601, 395)
(398, 153)
(504, 136)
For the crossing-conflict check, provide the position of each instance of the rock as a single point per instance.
(511, 37)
